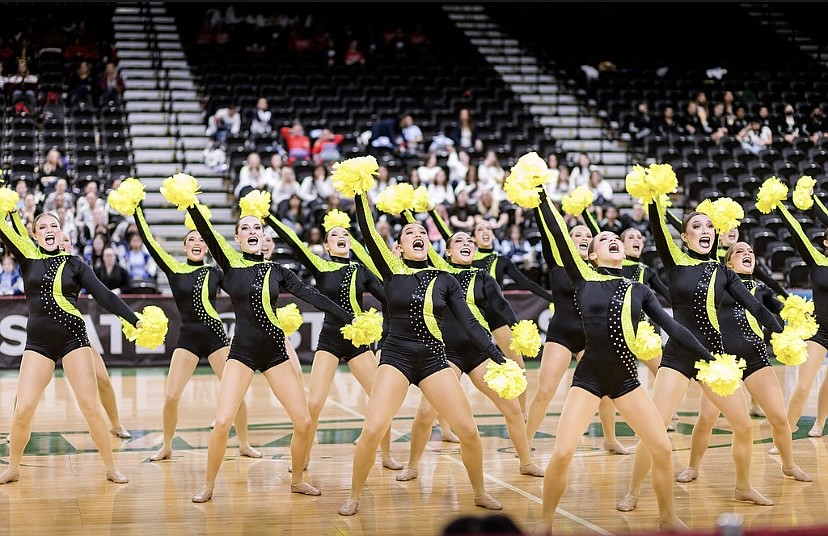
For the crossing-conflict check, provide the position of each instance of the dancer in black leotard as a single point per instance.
(194, 286)
(611, 307)
(413, 352)
(482, 293)
(747, 341)
(697, 286)
(345, 282)
(258, 342)
(55, 331)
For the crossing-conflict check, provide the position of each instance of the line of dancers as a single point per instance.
(443, 317)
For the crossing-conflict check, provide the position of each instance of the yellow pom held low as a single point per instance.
(354, 175)
(180, 190)
(289, 318)
(126, 197)
(396, 198)
(577, 201)
(153, 330)
(526, 339)
(205, 211)
(421, 201)
(255, 203)
(789, 348)
(770, 194)
(507, 380)
(8, 200)
(336, 218)
(723, 374)
(647, 343)
(795, 307)
(803, 194)
(366, 328)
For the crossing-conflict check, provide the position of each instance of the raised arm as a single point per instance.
(309, 260)
(682, 335)
(225, 256)
(673, 220)
(522, 281)
(291, 282)
(590, 222)
(18, 224)
(736, 287)
(21, 247)
(164, 260)
(362, 256)
(481, 338)
(108, 299)
(802, 244)
(442, 226)
(664, 243)
(554, 227)
(820, 211)
(387, 264)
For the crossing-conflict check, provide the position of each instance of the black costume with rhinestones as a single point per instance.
(343, 281)
(254, 285)
(697, 286)
(52, 281)
(611, 307)
(194, 286)
(417, 297)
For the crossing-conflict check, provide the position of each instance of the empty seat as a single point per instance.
(797, 273)
(776, 253)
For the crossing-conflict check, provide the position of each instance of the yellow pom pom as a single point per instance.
(526, 339)
(770, 194)
(126, 197)
(647, 344)
(256, 203)
(507, 380)
(725, 213)
(665, 201)
(354, 175)
(790, 349)
(180, 190)
(421, 201)
(723, 374)
(336, 218)
(552, 307)
(366, 328)
(396, 198)
(794, 307)
(662, 179)
(153, 330)
(803, 193)
(521, 191)
(577, 201)
(289, 318)
(205, 211)
(638, 186)
(8, 200)
(531, 169)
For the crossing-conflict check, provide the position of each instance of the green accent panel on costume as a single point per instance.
(586, 271)
(627, 327)
(818, 257)
(641, 270)
(169, 261)
(266, 305)
(364, 257)
(205, 298)
(428, 313)
(754, 325)
(352, 293)
(475, 310)
(57, 292)
(710, 302)
(396, 265)
(679, 257)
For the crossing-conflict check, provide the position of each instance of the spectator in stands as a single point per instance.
(384, 229)
(353, 55)
(702, 108)
(111, 84)
(110, 273)
(317, 187)
(91, 211)
(326, 147)
(22, 87)
(641, 125)
(739, 122)
(11, 279)
(472, 185)
(718, 123)
(789, 127)
(461, 213)
(252, 176)
(458, 163)
(28, 209)
(729, 104)
(286, 187)
(516, 248)
(611, 221)
(429, 169)
(763, 112)
(692, 123)
(384, 180)
(222, 124)
(261, 122)
(79, 85)
(563, 186)
(440, 144)
(602, 192)
(94, 248)
(412, 136)
(387, 134)
(137, 260)
(580, 173)
(463, 133)
(297, 143)
(291, 212)
(66, 219)
(50, 172)
(440, 191)
(490, 174)
(755, 138)
(666, 126)
(815, 128)
(637, 219)
(274, 170)
(488, 210)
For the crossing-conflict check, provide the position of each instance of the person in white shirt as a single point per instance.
(579, 175)
(490, 174)
(318, 185)
(428, 170)
(252, 176)
(221, 124)
(458, 164)
(440, 191)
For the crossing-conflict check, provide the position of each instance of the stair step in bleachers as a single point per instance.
(218, 199)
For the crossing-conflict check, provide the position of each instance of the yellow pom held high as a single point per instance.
(180, 190)
(126, 197)
(507, 380)
(526, 339)
(396, 198)
(723, 374)
(724, 213)
(577, 201)
(153, 330)
(521, 191)
(804, 192)
(421, 201)
(366, 328)
(531, 169)
(255, 203)
(770, 194)
(289, 318)
(8, 200)
(336, 218)
(205, 211)
(647, 344)
(354, 175)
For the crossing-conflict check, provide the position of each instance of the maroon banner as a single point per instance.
(105, 333)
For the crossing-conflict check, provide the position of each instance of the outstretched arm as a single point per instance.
(108, 299)
(291, 282)
(481, 338)
(496, 300)
(387, 264)
(820, 211)
(522, 281)
(653, 281)
(164, 260)
(682, 335)
(673, 220)
(362, 256)
(801, 242)
(18, 224)
(739, 291)
(554, 226)
(590, 222)
(309, 260)
(22, 247)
